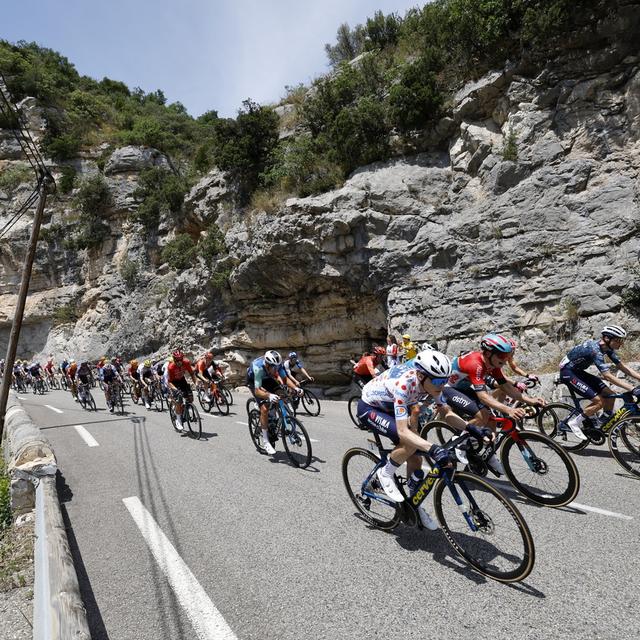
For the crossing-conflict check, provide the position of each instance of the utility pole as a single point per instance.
(45, 182)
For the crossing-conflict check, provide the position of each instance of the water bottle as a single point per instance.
(414, 481)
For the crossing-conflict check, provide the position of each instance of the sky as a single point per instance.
(206, 54)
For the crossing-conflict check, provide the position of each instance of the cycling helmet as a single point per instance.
(72, 361)
(614, 331)
(147, 363)
(433, 363)
(114, 360)
(293, 355)
(496, 343)
(134, 363)
(379, 351)
(178, 355)
(513, 344)
(273, 358)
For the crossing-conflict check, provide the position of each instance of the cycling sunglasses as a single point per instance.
(438, 382)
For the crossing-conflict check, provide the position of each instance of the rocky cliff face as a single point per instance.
(523, 219)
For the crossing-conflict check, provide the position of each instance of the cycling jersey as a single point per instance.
(71, 370)
(175, 372)
(144, 372)
(589, 352)
(84, 370)
(34, 369)
(203, 368)
(394, 390)
(289, 363)
(257, 373)
(109, 372)
(366, 366)
(133, 372)
(469, 372)
(49, 366)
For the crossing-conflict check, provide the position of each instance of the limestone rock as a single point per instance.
(134, 159)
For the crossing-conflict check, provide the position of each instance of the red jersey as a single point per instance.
(469, 372)
(366, 366)
(176, 372)
(202, 366)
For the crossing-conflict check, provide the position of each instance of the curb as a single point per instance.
(58, 611)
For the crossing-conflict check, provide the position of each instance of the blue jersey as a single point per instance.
(256, 373)
(590, 352)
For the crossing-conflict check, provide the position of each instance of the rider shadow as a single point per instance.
(281, 457)
(627, 475)
(207, 435)
(590, 452)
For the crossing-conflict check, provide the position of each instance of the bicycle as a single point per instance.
(225, 392)
(310, 402)
(191, 420)
(117, 400)
(543, 472)
(213, 396)
(475, 516)
(54, 383)
(156, 396)
(38, 386)
(282, 424)
(85, 398)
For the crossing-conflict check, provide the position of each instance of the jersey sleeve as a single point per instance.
(614, 357)
(498, 375)
(598, 360)
(258, 374)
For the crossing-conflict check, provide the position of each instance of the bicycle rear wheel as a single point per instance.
(375, 508)
(227, 394)
(158, 401)
(193, 421)
(484, 527)
(624, 444)
(296, 442)
(205, 403)
(310, 403)
(540, 469)
(552, 422)
(221, 403)
(353, 408)
(255, 430)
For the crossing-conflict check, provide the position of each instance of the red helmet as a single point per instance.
(178, 355)
(379, 351)
(514, 344)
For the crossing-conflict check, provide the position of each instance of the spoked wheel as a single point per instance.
(296, 442)
(158, 400)
(82, 399)
(552, 422)
(172, 417)
(252, 405)
(624, 444)
(205, 401)
(255, 430)
(353, 408)
(484, 527)
(221, 403)
(135, 396)
(310, 403)
(192, 421)
(540, 469)
(371, 501)
(119, 403)
(438, 432)
(227, 394)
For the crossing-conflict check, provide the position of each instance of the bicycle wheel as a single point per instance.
(310, 403)
(552, 422)
(251, 405)
(227, 394)
(484, 527)
(120, 403)
(221, 403)
(371, 501)
(540, 469)
(624, 444)
(135, 396)
(255, 430)
(158, 401)
(91, 403)
(193, 421)
(296, 442)
(353, 408)
(82, 399)
(204, 403)
(438, 432)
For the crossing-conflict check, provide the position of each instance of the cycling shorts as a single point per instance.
(381, 421)
(584, 384)
(361, 380)
(464, 404)
(84, 378)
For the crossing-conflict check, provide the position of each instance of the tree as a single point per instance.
(349, 44)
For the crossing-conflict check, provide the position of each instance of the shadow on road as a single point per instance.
(94, 617)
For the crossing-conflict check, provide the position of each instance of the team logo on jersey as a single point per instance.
(401, 412)
(381, 421)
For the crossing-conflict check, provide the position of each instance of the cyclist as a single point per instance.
(573, 373)
(389, 405)
(467, 390)
(71, 371)
(293, 361)
(84, 375)
(365, 369)
(134, 376)
(408, 350)
(178, 383)
(35, 371)
(110, 376)
(205, 370)
(146, 377)
(264, 376)
(499, 393)
(49, 370)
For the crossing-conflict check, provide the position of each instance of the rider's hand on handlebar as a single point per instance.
(483, 434)
(636, 392)
(533, 378)
(273, 397)
(299, 392)
(516, 414)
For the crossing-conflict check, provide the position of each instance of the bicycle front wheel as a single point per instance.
(193, 421)
(255, 430)
(624, 444)
(227, 394)
(91, 403)
(370, 500)
(540, 469)
(311, 403)
(221, 403)
(438, 432)
(296, 442)
(484, 527)
(353, 409)
(158, 401)
(552, 422)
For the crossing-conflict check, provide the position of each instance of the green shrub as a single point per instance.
(16, 174)
(220, 278)
(93, 200)
(5, 496)
(65, 314)
(349, 43)
(382, 31)
(67, 179)
(180, 253)
(212, 244)
(510, 146)
(129, 273)
(159, 192)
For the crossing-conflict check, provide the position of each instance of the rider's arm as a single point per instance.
(511, 390)
(619, 382)
(304, 371)
(516, 369)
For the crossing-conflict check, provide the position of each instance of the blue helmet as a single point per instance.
(495, 342)
(293, 355)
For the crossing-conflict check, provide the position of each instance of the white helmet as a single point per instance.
(614, 331)
(273, 358)
(433, 363)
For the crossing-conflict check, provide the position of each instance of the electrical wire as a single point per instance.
(20, 212)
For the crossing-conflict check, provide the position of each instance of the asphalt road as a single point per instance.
(281, 554)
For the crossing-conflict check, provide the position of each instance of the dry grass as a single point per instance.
(270, 201)
(16, 557)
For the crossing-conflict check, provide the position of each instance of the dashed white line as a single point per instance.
(207, 621)
(604, 512)
(53, 408)
(86, 436)
(244, 423)
(312, 440)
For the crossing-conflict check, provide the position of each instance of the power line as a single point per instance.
(21, 211)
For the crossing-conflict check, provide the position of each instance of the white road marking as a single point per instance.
(86, 436)
(604, 512)
(53, 408)
(207, 621)
(312, 440)
(244, 423)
